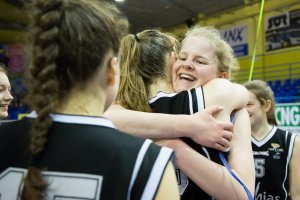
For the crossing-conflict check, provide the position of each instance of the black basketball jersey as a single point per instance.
(186, 102)
(272, 156)
(84, 158)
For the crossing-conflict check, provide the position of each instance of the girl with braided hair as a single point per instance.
(75, 153)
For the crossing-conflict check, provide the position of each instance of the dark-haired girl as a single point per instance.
(66, 149)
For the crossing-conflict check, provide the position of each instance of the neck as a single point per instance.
(83, 102)
(260, 131)
(160, 85)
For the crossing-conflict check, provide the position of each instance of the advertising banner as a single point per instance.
(16, 63)
(237, 37)
(288, 116)
(282, 30)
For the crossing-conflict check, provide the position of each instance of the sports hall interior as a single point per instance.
(265, 38)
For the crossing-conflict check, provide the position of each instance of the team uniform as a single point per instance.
(84, 158)
(186, 102)
(272, 156)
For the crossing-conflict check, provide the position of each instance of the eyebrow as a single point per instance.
(5, 85)
(197, 56)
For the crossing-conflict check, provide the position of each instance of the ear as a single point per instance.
(267, 105)
(223, 75)
(112, 70)
(172, 58)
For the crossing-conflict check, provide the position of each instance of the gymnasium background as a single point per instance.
(277, 59)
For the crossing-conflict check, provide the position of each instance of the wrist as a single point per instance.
(180, 126)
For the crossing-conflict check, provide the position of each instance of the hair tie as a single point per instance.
(136, 37)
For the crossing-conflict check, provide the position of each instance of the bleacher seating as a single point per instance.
(286, 91)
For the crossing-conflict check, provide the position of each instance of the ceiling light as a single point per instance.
(121, 1)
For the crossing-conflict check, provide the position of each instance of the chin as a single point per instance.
(182, 88)
(3, 115)
(178, 89)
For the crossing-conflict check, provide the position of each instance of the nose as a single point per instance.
(188, 65)
(247, 109)
(8, 96)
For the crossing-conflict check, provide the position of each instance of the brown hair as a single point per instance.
(70, 39)
(2, 68)
(227, 60)
(143, 59)
(263, 93)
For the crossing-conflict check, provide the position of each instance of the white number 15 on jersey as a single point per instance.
(62, 186)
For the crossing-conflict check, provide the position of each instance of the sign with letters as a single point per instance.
(237, 37)
(288, 116)
(282, 30)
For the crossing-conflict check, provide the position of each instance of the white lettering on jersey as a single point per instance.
(263, 153)
(259, 167)
(265, 196)
(182, 179)
(62, 186)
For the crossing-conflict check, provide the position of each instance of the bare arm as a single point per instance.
(232, 97)
(240, 157)
(206, 174)
(168, 188)
(295, 171)
(202, 127)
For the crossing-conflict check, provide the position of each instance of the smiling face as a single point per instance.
(256, 110)
(5, 96)
(196, 64)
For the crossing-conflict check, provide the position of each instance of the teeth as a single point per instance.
(186, 76)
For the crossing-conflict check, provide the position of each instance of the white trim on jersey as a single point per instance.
(156, 174)
(190, 102)
(288, 159)
(200, 99)
(266, 139)
(201, 107)
(78, 119)
(160, 95)
(206, 152)
(138, 164)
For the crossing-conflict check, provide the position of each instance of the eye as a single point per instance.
(250, 104)
(181, 58)
(199, 62)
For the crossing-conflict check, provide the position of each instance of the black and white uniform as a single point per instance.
(186, 102)
(272, 156)
(85, 158)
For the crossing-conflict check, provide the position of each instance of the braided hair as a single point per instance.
(69, 39)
